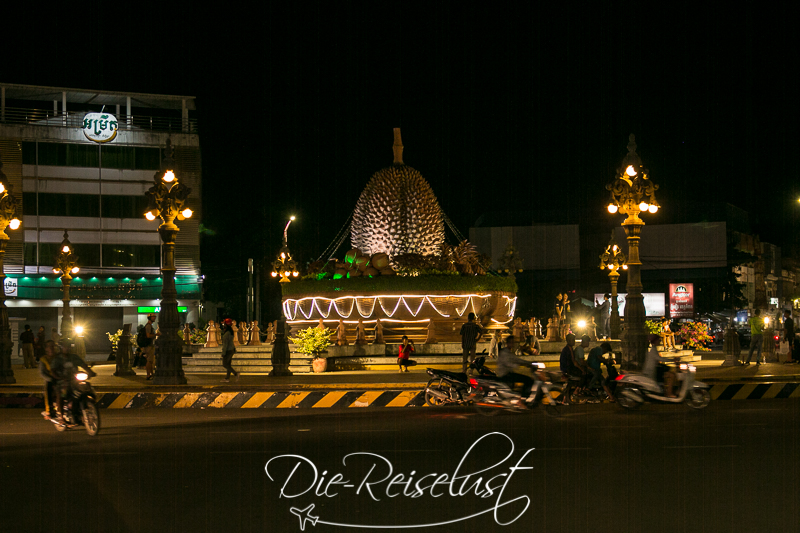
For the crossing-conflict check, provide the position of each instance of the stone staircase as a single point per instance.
(248, 360)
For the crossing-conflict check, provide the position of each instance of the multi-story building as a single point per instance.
(80, 161)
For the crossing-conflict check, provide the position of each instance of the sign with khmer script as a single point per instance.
(100, 127)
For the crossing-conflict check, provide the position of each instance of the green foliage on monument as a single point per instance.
(401, 284)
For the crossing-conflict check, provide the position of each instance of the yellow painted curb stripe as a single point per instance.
(772, 391)
(122, 400)
(402, 399)
(717, 390)
(293, 399)
(366, 399)
(795, 393)
(223, 399)
(258, 399)
(744, 392)
(329, 399)
(188, 399)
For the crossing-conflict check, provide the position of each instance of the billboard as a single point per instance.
(653, 303)
(681, 300)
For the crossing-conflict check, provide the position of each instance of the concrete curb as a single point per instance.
(357, 396)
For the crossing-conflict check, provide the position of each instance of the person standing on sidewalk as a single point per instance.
(228, 350)
(756, 337)
(470, 334)
(27, 339)
(149, 347)
(788, 335)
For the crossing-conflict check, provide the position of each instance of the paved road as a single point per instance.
(734, 467)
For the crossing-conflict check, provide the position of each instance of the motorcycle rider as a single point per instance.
(595, 361)
(570, 366)
(654, 366)
(507, 362)
(51, 368)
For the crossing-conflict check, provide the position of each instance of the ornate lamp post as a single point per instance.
(165, 200)
(631, 193)
(66, 265)
(284, 265)
(8, 210)
(613, 259)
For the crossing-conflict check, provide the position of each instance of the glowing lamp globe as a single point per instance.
(169, 176)
(149, 216)
(14, 224)
(643, 206)
(612, 208)
(653, 208)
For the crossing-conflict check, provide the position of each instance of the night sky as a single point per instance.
(502, 109)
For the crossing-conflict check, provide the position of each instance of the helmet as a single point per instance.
(227, 322)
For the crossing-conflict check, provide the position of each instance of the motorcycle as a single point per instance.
(79, 405)
(452, 388)
(492, 395)
(634, 389)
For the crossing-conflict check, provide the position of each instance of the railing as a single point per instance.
(74, 119)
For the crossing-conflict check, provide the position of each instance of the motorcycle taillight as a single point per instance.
(618, 378)
(473, 383)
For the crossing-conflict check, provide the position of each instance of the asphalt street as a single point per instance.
(734, 467)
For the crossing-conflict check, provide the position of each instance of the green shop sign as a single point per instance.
(143, 309)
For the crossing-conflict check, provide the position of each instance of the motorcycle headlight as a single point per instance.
(81, 376)
(540, 366)
(684, 367)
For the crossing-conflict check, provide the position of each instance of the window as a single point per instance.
(123, 206)
(88, 254)
(131, 255)
(90, 155)
(61, 205)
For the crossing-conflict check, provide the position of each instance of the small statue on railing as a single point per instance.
(187, 334)
(271, 332)
(255, 334)
(341, 334)
(211, 336)
(361, 333)
(236, 334)
(378, 333)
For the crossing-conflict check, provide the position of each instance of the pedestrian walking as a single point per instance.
(788, 335)
(756, 337)
(149, 347)
(470, 334)
(27, 339)
(605, 315)
(38, 345)
(228, 349)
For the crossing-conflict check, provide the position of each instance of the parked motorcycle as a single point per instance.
(491, 395)
(79, 405)
(634, 389)
(453, 388)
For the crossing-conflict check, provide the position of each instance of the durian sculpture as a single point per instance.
(398, 213)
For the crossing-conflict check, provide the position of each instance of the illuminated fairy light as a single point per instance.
(349, 312)
(396, 305)
(498, 322)
(394, 320)
(307, 305)
(371, 309)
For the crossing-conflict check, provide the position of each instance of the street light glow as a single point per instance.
(653, 208)
(65, 249)
(14, 221)
(149, 216)
(169, 176)
(75, 270)
(630, 171)
(643, 206)
(187, 213)
(612, 208)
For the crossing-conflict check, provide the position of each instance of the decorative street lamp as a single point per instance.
(66, 265)
(284, 266)
(165, 200)
(8, 210)
(613, 259)
(631, 193)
